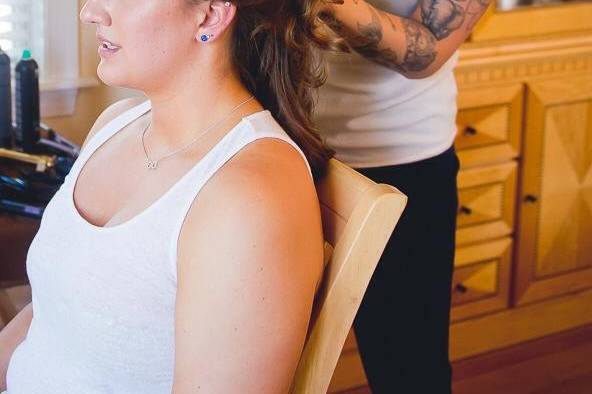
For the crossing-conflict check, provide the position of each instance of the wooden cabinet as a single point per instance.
(555, 243)
(549, 220)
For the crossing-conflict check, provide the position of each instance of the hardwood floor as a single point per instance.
(561, 364)
(565, 372)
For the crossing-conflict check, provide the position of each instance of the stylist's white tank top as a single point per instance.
(373, 116)
(104, 297)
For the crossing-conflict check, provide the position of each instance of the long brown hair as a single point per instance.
(273, 50)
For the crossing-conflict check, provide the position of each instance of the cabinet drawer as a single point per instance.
(489, 122)
(487, 198)
(481, 279)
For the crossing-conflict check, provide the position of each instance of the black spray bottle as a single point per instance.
(5, 101)
(27, 103)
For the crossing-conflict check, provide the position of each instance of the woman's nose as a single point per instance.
(94, 11)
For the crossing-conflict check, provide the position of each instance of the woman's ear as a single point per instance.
(215, 21)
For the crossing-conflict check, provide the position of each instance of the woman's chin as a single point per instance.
(109, 77)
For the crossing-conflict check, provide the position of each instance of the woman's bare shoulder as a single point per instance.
(263, 190)
(111, 112)
(268, 169)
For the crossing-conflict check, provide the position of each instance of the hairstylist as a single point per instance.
(388, 109)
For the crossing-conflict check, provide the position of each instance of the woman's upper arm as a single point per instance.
(249, 259)
(111, 112)
(10, 337)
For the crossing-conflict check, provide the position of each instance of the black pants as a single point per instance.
(402, 324)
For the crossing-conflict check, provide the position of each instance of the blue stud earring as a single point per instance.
(206, 37)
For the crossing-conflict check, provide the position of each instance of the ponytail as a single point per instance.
(274, 51)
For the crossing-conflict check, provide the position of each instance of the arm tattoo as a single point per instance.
(438, 19)
(421, 47)
(443, 17)
(367, 42)
(420, 51)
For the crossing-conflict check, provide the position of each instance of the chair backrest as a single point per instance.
(358, 218)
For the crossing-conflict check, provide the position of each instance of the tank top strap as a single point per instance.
(107, 131)
(252, 128)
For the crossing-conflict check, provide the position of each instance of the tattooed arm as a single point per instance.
(417, 44)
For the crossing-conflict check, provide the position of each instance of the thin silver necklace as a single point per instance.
(153, 164)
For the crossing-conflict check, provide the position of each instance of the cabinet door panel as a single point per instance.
(555, 243)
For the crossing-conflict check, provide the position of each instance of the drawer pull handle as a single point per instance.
(531, 198)
(461, 288)
(464, 210)
(470, 130)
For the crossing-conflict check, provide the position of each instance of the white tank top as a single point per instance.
(104, 297)
(373, 116)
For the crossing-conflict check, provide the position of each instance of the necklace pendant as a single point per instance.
(152, 165)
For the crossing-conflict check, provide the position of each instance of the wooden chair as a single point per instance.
(358, 219)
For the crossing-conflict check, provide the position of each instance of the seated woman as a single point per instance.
(183, 250)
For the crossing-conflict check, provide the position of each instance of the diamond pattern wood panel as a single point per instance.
(555, 245)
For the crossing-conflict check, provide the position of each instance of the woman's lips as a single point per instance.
(105, 51)
(106, 47)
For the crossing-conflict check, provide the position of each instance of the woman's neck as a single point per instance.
(180, 114)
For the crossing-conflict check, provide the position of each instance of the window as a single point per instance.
(49, 28)
(21, 27)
